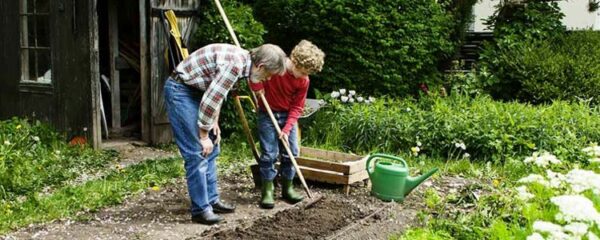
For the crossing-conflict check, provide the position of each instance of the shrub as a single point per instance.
(516, 26)
(450, 127)
(212, 29)
(564, 68)
(385, 47)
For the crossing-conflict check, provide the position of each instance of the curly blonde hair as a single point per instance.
(308, 56)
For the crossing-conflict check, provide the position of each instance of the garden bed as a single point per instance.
(325, 217)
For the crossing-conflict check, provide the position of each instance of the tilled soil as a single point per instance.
(323, 218)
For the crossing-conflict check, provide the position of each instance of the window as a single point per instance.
(35, 41)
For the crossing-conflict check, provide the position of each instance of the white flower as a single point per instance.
(415, 150)
(36, 138)
(335, 94)
(556, 179)
(419, 144)
(554, 231)
(546, 227)
(542, 160)
(371, 99)
(577, 229)
(360, 99)
(342, 91)
(535, 236)
(575, 208)
(523, 194)
(352, 92)
(56, 152)
(460, 145)
(6, 142)
(344, 99)
(582, 180)
(466, 155)
(351, 100)
(534, 178)
(595, 160)
(85, 129)
(367, 102)
(593, 151)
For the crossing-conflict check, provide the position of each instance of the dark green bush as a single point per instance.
(212, 29)
(564, 68)
(385, 47)
(517, 26)
(490, 130)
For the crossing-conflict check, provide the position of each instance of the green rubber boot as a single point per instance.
(287, 190)
(266, 200)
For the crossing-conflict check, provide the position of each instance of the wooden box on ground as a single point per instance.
(330, 167)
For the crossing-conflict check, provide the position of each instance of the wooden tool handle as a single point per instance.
(286, 146)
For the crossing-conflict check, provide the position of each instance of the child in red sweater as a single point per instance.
(286, 95)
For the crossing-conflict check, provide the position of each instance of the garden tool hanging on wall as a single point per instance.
(177, 51)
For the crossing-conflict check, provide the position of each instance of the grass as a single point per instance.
(33, 156)
(90, 196)
(112, 189)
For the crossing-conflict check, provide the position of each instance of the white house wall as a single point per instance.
(576, 14)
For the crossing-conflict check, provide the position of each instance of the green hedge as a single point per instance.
(385, 47)
(563, 68)
(33, 156)
(490, 130)
(212, 29)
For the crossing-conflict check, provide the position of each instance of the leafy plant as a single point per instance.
(486, 130)
(33, 156)
(211, 28)
(385, 47)
(533, 59)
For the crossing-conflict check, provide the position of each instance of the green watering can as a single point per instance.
(390, 181)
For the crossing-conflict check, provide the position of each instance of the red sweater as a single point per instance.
(284, 93)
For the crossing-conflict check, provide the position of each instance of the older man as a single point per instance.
(194, 94)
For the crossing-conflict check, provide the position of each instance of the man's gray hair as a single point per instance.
(270, 56)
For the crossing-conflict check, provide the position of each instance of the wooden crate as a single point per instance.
(327, 166)
(332, 167)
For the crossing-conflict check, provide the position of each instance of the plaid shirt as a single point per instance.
(214, 69)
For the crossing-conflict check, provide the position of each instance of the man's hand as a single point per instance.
(284, 137)
(207, 146)
(217, 132)
(205, 142)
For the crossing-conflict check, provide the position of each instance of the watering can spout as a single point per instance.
(412, 182)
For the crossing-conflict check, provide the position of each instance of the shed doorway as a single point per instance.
(120, 70)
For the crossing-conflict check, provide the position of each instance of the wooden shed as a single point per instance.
(85, 64)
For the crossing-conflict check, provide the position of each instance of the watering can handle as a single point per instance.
(380, 155)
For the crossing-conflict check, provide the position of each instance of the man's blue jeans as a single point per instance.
(182, 104)
(271, 146)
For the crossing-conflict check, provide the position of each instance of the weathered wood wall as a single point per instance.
(10, 71)
(185, 11)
